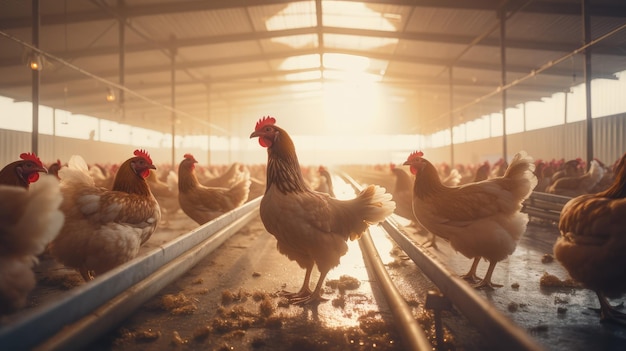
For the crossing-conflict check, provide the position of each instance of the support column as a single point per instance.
(503, 79)
(35, 79)
(208, 117)
(451, 96)
(122, 63)
(173, 52)
(587, 75)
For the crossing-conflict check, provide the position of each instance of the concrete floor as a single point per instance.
(250, 263)
(558, 318)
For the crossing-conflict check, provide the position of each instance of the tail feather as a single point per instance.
(522, 169)
(377, 204)
(241, 190)
(75, 172)
(596, 172)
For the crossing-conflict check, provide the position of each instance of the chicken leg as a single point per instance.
(304, 290)
(609, 313)
(486, 282)
(315, 297)
(471, 275)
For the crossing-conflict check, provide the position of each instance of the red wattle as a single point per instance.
(264, 142)
(33, 177)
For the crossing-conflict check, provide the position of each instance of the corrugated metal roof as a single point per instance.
(235, 60)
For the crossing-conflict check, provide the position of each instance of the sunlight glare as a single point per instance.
(350, 107)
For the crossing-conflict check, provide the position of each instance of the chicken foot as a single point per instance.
(86, 274)
(486, 282)
(609, 313)
(471, 275)
(315, 297)
(432, 242)
(304, 290)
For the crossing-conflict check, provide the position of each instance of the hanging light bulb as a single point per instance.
(110, 95)
(35, 62)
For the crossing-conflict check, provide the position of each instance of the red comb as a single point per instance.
(29, 156)
(144, 154)
(264, 121)
(190, 156)
(415, 155)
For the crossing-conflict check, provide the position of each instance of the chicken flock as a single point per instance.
(94, 218)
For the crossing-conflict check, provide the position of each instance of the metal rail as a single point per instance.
(412, 335)
(89, 310)
(545, 206)
(497, 328)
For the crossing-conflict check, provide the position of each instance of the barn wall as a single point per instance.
(51, 148)
(567, 141)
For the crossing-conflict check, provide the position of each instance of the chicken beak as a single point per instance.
(406, 163)
(254, 135)
(152, 166)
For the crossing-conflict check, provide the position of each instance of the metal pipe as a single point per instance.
(488, 320)
(85, 301)
(108, 82)
(412, 335)
(534, 72)
(114, 311)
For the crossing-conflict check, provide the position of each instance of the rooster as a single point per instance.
(310, 227)
(105, 228)
(202, 203)
(29, 219)
(481, 219)
(593, 241)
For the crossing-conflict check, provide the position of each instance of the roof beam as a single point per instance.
(550, 7)
(414, 36)
(113, 72)
(557, 8)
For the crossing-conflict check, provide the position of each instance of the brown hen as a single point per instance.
(105, 228)
(202, 203)
(481, 219)
(310, 227)
(592, 243)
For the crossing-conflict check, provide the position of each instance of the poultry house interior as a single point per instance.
(211, 175)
